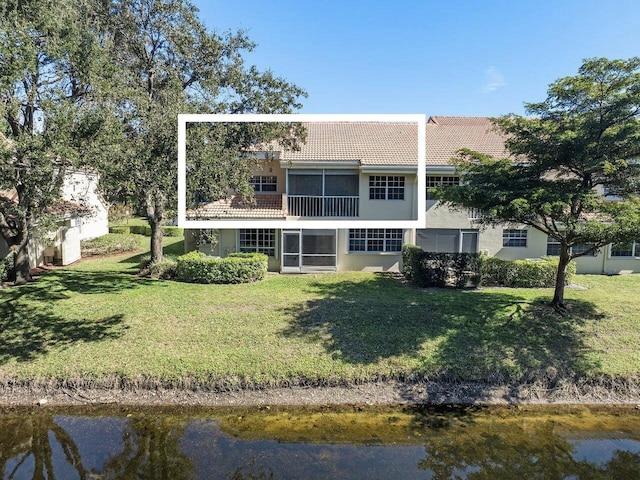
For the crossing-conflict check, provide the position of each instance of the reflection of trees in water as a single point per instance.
(150, 450)
(499, 451)
(29, 443)
(253, 473)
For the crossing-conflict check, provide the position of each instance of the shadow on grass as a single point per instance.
(463, 335)
(29, 329)
(173, 249)
(31, 324)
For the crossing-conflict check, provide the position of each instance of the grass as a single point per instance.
(98, 323)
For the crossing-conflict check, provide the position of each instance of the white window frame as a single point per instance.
(389, 236)
(635, 251)
(515, 235)
(259, 182)
(259, 247)
(388, 183)
(434, 181)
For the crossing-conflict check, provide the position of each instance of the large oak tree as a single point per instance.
(50, 66)
(568, 156)
(170, 63)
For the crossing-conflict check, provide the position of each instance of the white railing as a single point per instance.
(318, 206)
(474, 214)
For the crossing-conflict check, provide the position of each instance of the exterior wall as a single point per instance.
(406, 209)
(273, 168)
(82, 188)
(367, 262)
(228, 243)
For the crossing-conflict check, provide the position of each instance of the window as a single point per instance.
(375, 240)
(382, 187)
(554, 247)
(631, 249)
(260, 240)
(581, 248)
(447, 240)
(514, 238)
(434, 181)
(264, 183)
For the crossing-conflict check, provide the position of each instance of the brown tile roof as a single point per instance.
(266, 206)
(446, 135)
(371, 143)
(61, 208)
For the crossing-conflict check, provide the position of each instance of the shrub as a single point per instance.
(465, 268)
(6, 266)
(167, 231)
(141, 230)
(165, 269)
(109, 244)
(196, 267)
(523, 273)
(120, 229)
(431, 270)
(410, 254)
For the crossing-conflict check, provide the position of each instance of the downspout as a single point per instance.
(604, 259)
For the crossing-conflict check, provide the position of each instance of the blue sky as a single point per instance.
(438, 57)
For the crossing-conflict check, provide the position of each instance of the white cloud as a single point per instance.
(493, 80)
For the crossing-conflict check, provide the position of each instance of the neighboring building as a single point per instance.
(454, 231)
(344, 171)
(368, 171)
(82, 214)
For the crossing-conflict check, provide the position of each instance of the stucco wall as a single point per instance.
(406, 209)
(367, 262)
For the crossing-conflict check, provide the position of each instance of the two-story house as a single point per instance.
(346, 172)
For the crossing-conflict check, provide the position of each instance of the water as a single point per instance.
(354, 442)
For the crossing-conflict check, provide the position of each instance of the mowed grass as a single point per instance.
(97, 323)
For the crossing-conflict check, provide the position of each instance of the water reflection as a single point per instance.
(575, 443)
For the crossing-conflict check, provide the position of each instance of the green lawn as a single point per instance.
(98, 323)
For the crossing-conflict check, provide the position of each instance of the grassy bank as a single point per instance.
(98, 324)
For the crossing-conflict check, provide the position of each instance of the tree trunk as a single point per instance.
(156, 240)
(155, 217)
(21, 265)
(561, 276)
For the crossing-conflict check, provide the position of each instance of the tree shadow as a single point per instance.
(30, 326)
(467, 335)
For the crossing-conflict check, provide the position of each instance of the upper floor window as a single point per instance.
(514, 238)
(375, 240)
(434, 181)
(384, 187)
(264, 183)
(260, 240)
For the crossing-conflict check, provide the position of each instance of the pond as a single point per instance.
(346, 442)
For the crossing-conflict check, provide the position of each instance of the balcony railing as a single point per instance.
(474, 214)
(318, 206)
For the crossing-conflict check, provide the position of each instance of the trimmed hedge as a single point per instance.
(121, 229)
(429, 269)
(523, 273)
(167, 231)
(409, 259)
(196, 267)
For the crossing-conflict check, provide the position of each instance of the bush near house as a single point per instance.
(109, 244)
(523, 273)
(429, 269)
(196, 267)
(167, 231)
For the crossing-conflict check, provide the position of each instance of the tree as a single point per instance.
(580, 144)
(170, 64)
(49, 57)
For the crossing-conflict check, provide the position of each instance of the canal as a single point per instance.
(575, 442)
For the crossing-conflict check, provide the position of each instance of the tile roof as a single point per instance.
(371, 143)
(446, 135)
(267, 206)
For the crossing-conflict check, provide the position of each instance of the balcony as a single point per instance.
(322, 206)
